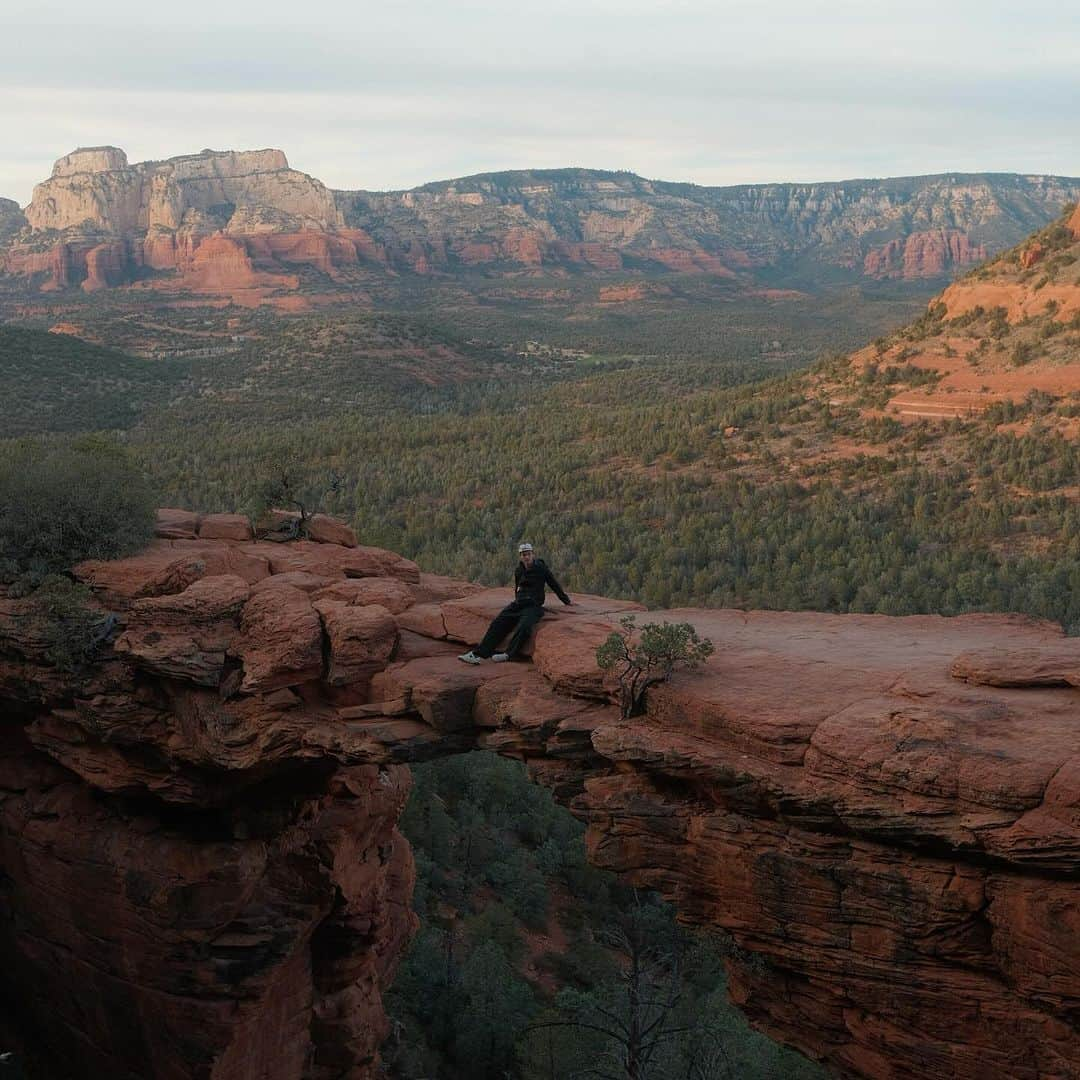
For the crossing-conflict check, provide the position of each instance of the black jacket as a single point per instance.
(529, 584)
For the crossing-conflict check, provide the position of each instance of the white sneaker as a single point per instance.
(470, 657)
(499, 657)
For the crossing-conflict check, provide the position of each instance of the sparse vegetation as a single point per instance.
(644, 656)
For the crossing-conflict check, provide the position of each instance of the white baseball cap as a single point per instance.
(522, 548)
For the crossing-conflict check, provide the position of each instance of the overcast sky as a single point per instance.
(390, 95)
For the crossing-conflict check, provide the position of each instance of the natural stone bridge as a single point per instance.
(202, 876)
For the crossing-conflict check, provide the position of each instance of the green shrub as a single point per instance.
(1023, 353)
(71, 628)
(61, 503)
(967, 318)
(649, 655)
(1058, 236)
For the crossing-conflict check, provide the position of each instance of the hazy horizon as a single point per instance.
(709, 93)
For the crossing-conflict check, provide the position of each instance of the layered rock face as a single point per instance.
(912, 228)
(98, 190)
(202, 875)
(924, 255)
(167, 217)
(100, 222)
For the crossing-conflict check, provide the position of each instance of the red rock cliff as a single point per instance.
(923, 255)
(203, 878)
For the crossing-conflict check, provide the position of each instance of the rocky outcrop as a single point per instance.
(923, 255)
(1033, 254)
(12, 219)
(1074, 223)
(90, 159)
(97, 190)
(202, 875)
(100, 222)
(1018, 299)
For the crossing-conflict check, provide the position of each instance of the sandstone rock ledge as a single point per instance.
(202, 875)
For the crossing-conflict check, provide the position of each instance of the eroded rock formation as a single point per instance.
(913, 227)
(202, 875)
(100, 222)
(924, 255)
(96, 189)
(240, 223)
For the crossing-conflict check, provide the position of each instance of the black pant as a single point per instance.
(523, 616)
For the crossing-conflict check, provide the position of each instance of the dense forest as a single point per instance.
(533, 964)
(637, 482)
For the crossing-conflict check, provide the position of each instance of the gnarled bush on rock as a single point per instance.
(647, 656)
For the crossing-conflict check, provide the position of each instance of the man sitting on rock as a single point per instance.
(522, 613)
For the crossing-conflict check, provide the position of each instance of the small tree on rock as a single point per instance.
(647, 655)
(287, 485)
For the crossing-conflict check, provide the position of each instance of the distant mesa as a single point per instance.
(243, 224)
(99, 222)
(96, 189)
(90, 159)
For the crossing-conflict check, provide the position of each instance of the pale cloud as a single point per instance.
(368, 95)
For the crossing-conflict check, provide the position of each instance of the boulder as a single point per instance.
(564, 652)
(440, 689)
(281, 640)
(328, 530)
(177, 524)
(425, 619)
(362, 639)
(412, 646)
(332, 559)
(296, 579)
(390, 593)
(434, 589)
(168, 566)
(225, 527)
